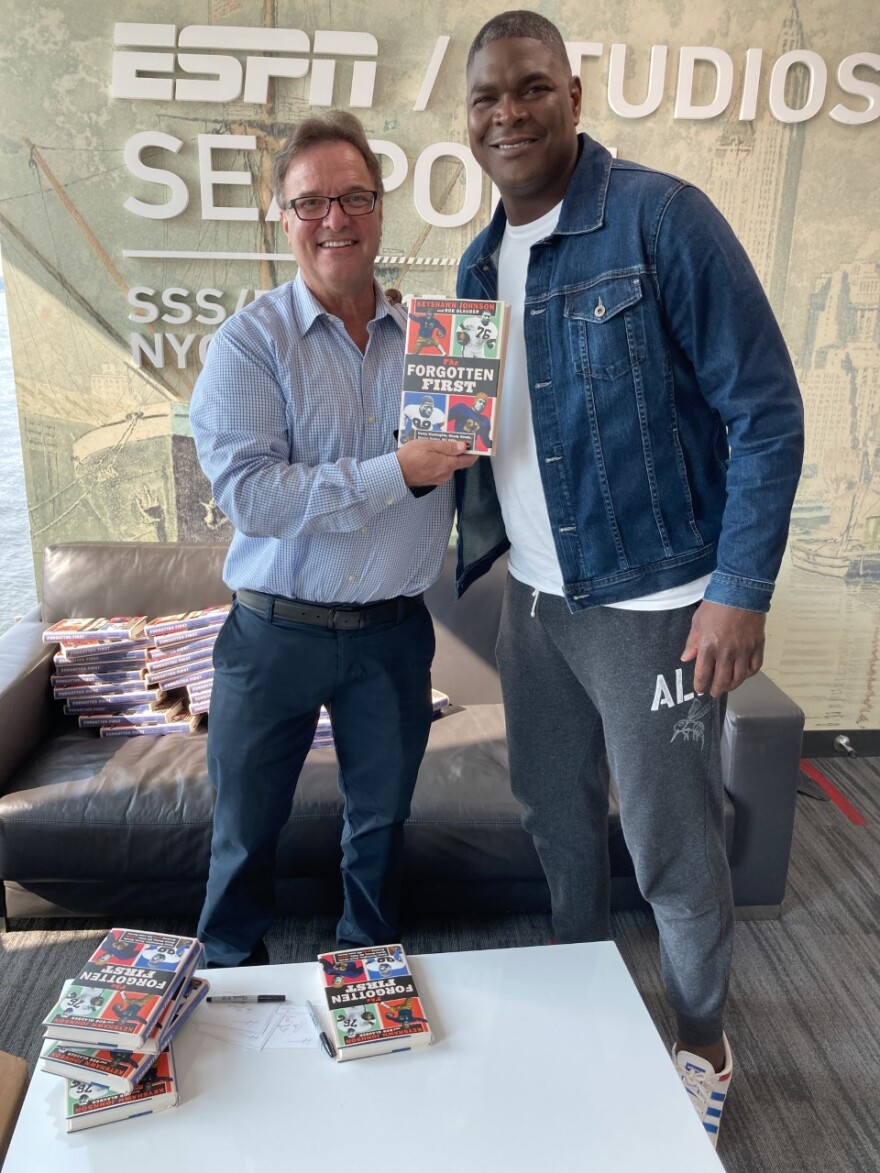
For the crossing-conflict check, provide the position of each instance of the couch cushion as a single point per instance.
(131, 578)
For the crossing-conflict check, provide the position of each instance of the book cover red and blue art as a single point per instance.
(452, 371)
(372, 1002)
(177, 1012)
(119, 1071)
(119, 995)
(91, 1104)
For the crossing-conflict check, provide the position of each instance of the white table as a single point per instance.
(545, 1058)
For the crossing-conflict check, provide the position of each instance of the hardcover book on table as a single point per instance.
(91, 1104)
(118, 1071)
(119, 996)
(452, 371)
(114, 1066)
(372, 1003)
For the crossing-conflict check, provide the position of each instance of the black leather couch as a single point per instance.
(122, 828)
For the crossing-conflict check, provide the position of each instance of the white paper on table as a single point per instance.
(293, 1028)
(248, 1025)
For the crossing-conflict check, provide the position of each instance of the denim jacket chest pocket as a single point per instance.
(606, 328)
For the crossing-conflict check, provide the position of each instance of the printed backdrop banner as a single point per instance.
(136, 214)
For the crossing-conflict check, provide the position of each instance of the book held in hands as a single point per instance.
(452, 371)
(372, 1003)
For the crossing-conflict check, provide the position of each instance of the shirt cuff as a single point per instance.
(383, 481)
(748, 594)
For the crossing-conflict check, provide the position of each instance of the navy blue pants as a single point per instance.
(271, 677)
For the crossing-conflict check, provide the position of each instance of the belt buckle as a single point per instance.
(344, 620)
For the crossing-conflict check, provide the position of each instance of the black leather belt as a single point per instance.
(338, 618)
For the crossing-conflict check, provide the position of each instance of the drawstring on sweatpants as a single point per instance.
(535, 594)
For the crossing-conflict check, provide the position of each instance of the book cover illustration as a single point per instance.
(119, 995)
(372, 1002)
(71, 631)
(181, 1009)
(91, 1104)
(187, 620)
(117, 1070)
(452, 372)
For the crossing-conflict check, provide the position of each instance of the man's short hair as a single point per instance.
(336, 126)
(519, 23)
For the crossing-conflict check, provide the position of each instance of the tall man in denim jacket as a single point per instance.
(649, 446)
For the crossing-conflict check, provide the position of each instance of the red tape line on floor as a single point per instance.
(843, 805)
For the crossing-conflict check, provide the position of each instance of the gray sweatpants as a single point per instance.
(609, 681)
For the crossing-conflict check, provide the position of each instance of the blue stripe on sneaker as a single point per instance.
(710, 1127)
(719, 1095)
(713, 1112)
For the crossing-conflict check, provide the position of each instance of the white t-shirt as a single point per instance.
(533, 557)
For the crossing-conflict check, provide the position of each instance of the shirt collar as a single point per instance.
(583, 208)
(307, 309)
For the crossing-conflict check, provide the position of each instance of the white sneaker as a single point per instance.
(708, 1089)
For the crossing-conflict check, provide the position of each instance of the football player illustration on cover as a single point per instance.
(118, 949)
(348, 969)
(405, 1015)
(83, 1000)
(471, 416)
(127, 1008)
(85, 1093)
(430, 333)
(384, 967)
(477, 336)
(354, 1024)
(422, 415)
(161, 956)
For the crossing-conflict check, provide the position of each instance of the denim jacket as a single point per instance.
(667, 416)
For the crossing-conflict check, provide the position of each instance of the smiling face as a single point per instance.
(336, 254)
(523, 108)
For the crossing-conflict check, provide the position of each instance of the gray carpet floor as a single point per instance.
(803, 1014)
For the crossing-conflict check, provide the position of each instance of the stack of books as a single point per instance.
(131, 676)
(324, 733)
(181, 655)
(110, 1034)
(323, 738)
(100, 671)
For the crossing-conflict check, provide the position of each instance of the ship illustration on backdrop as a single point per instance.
(853, 551)
(143, 477)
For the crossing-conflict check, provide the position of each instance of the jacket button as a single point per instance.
(599, 311)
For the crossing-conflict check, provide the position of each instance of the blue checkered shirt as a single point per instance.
(294, 428)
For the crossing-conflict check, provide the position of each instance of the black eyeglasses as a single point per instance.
(353, 203)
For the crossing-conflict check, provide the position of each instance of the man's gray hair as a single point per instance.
(336, 126)
(519, 23)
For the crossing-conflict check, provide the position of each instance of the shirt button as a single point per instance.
(351, 578)
(365, 529)
(371, 419)
(389, 500)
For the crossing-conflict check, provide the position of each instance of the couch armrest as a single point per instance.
(760, 761)
(26, 706)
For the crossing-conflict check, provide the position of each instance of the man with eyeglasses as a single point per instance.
(337, 534)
